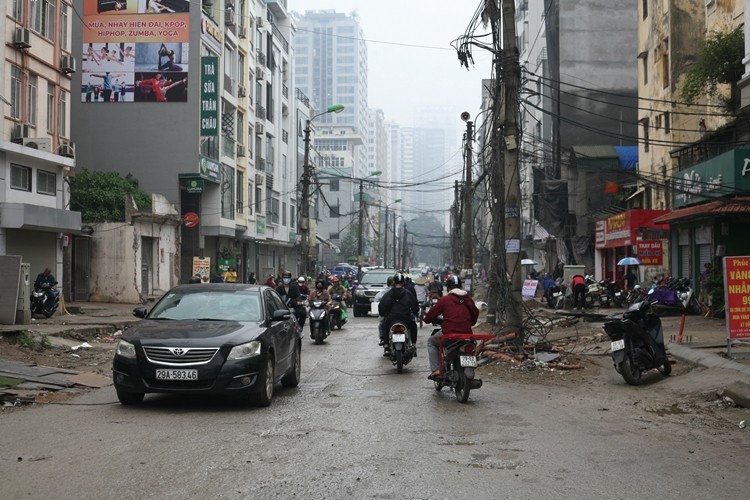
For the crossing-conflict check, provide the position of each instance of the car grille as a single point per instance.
(180, 356)
(371, 293)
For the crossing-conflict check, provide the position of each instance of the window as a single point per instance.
(62, 114)
(283, 166)
(258, 202)
(20, 178)
(665, 63)
(43, 17)
(46, 182)
(644, 125)
(334, 211)
(15, 92)
(292, 216)
(31, 99)
(334, 185)
(64, 43)
(240, 191)
(249, 198)
(50, 107)
(644, 66)
(227, 192)
(17, 10)
(644, 8)
(240, 128)
(667, 127)
(283, 213)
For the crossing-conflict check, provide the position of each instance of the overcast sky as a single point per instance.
(403, 77)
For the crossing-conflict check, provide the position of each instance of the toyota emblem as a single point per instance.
(177, 351)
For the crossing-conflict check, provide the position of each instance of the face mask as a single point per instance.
(287, 281)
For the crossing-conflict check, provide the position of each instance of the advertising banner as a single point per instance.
(209, 96)
(650, 253)
(135, 51)
(737, 296)
(202, 268)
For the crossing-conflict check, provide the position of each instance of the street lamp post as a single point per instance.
(361, 220)
(304, 220)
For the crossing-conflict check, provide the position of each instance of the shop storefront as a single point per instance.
(631, 234)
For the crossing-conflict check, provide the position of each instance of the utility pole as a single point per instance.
(403, 248)
(511, 78)
(385, 244)
(304, 221)
(360, 229)
(394, 241)
(468, 245)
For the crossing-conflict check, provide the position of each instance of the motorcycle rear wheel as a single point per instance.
(462, 389)
(400, 361)
(629, 371)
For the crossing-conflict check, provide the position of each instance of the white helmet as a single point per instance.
(301, 279)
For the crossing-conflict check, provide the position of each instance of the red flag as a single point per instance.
(611, 187)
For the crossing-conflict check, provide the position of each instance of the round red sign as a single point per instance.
(190, 219)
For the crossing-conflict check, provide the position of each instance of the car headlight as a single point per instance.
(359, 293)
(125, 349)
(246, 350)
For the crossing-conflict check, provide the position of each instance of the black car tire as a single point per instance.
(130, 398)
(292, 378)
(357, 313)
(266, 380)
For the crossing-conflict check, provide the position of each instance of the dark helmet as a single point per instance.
(286, 274)
(453, 282)
(398, 278)
(321, 281)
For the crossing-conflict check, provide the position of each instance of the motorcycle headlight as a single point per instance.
(246, 350)
(125, 349)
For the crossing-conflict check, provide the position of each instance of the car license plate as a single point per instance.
(618, 345)
(398, 337)
(176, 374)
(617, 294)
(468, 361)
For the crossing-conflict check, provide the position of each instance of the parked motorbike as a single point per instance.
(595, 293)
(338, 313)
(638, 343)
(400, 348)
(319, 322)
(614, 296)
(41, 303)
(674, 296)
(458, 359)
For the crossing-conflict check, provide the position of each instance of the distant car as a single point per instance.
(342, 269)
(228, 339)
(371, 283)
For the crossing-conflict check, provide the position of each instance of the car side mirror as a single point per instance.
(140, 312)
(281, 315)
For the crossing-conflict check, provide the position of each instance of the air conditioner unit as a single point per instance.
(208, 3)
(67, 149)
(67, 64)
(229, 4)
(240, 150)
(22, 38)
(229, 17)
(259, 73)
(40, 143)
(20, 131)
(258, 180)
(241, 92)
(259, 129)
(242, 32)
(259, 22)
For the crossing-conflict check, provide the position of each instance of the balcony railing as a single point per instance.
(285, 90)
(282, 39)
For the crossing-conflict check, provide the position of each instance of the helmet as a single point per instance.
(335, 279)
(286, 274)
(301, 279)
(321, 281)
(398, 278)
(453, 282)
(447, 277)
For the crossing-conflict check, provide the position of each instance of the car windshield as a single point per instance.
(375, 278)
(208, 305)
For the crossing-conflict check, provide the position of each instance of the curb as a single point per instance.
(705, 359)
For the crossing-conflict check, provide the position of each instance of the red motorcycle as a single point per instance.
(458, 359)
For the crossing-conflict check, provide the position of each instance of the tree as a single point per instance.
(719, 62)
(100, 196)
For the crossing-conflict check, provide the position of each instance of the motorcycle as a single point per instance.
(458, 359)
(638, 343)
(400, 348)
(613, 293)
(595, 292)
(424, 306)
(674, 296)
(319, 322)
(41, 303)
(338, 313)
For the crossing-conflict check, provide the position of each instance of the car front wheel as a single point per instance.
(266, 381)
(292, 378)
(130, 398)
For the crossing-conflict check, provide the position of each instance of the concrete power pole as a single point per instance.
(468, 265)
(304, 220)
(511, 76)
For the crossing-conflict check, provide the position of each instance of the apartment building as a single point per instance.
(193, 99)
(37, 67)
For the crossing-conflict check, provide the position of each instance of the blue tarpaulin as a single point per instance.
(628, 156)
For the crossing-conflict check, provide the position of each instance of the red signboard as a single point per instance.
(737, 296)
(190, 219)
(650, 253)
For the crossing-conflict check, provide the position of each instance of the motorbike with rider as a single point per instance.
(292, 297)
(398, 305)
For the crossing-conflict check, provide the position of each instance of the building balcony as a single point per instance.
(278, 7)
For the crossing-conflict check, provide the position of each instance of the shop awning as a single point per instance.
(737, 206)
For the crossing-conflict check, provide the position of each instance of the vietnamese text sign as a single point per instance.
(650, 252)
(529, 289)
(737, 296)
(209, 95)
(202, 268)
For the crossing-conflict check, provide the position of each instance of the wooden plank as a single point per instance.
(48, 379)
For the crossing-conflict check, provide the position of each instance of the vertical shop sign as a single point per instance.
(209, 96)
(737, 297)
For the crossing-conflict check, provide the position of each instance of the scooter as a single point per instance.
(41, 303)
(319, 322)
(638, 343)
(677, 296)
(400, 348)
(458, 359)
(338, 313)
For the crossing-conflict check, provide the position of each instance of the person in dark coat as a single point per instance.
(292, 297)
(398, 305)
(459, 312)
